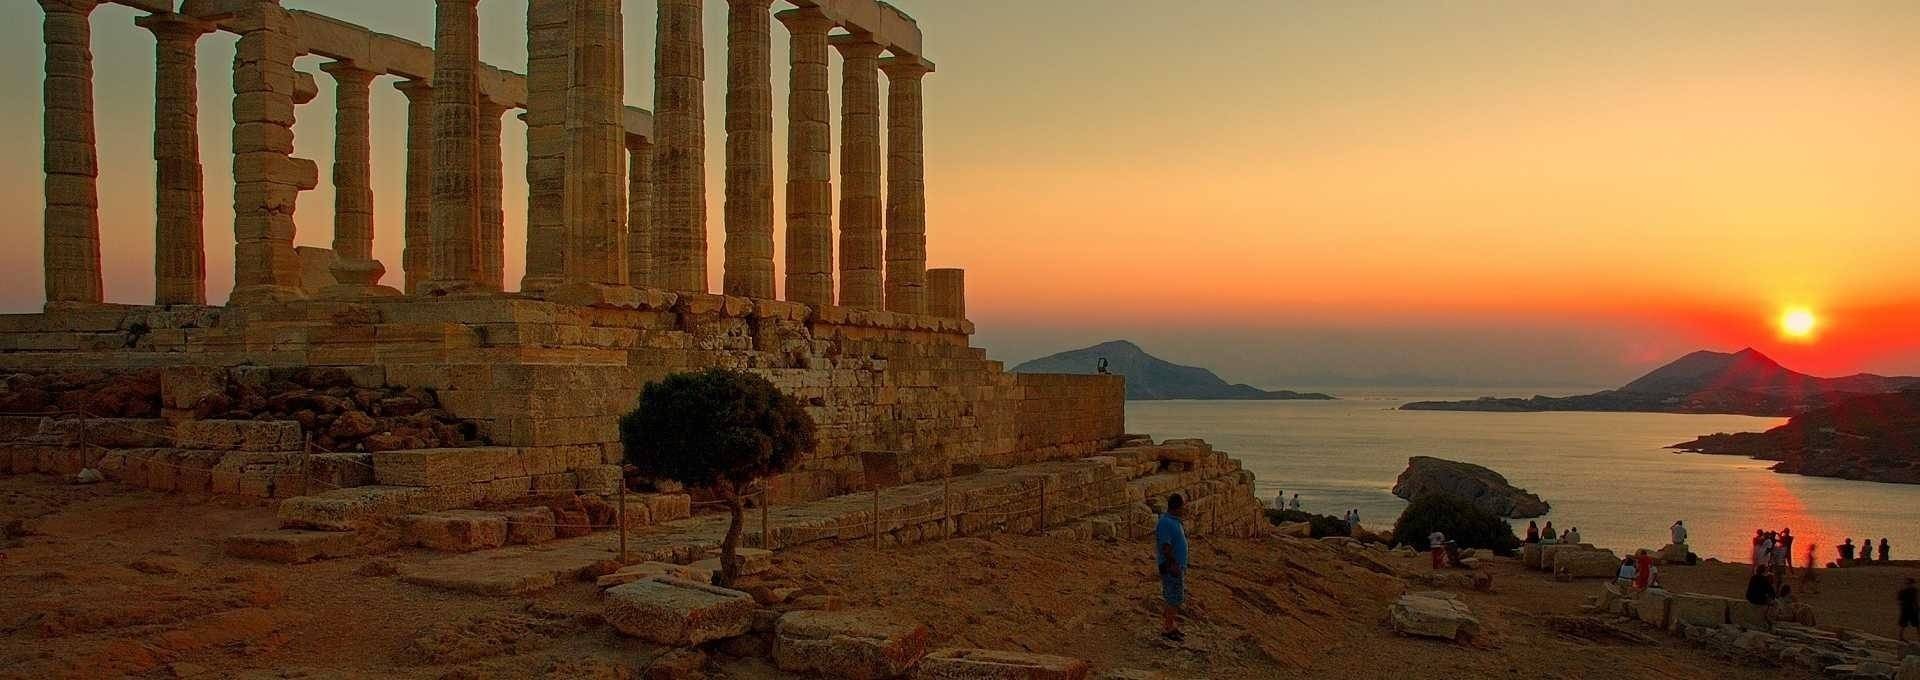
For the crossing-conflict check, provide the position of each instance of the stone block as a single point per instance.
(1747, 614)
(649, 570)
(666, 507)
(752, 561)
(292, 546)
(859, 644)
(530, 525)
(1653, 608)
(671, 611)
(112, 433)
(1433, 614)
(443, 467)
(1693, 609)
(1586, 563)
(182, 387)
(239, 435)
(993, 664)
(456, 530)
(599, 480)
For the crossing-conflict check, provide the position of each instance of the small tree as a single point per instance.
(1462, 521)
(720, 430)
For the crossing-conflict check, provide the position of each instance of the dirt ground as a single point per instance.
(106, 581)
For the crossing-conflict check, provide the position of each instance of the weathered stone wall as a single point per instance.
(533, 373)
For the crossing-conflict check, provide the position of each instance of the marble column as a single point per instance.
(640, 271)
(354, 269)
(809, 253)
(596, 191)
(679, 154)
(456, 102)
(549, 68)
(493, 216)
(179, 247)
(749, 205)
(861, 282)
(906, 186)
(417, 255)
(72, 211)
(947, 293)
(267, 179)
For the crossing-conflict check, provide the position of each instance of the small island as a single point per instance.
(1476, 484)
(1152, 378)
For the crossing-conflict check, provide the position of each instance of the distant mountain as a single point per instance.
(1744, 382)
(1150, 377)
(1873, 437)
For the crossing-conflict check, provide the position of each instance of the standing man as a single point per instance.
(1170, 552)
(1786, 547)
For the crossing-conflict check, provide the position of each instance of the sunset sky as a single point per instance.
(1293, 193)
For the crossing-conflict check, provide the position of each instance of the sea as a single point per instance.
(1609, 474)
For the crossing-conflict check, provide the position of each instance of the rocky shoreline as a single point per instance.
(1867, 438)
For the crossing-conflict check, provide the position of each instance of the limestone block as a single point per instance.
(112, 433)
(292, 546)
(1747, 614)
(239, 435)
(530, 525)
(650, 570)
(1693, 609)
(1653, 607)
(752, 561)
(443, 467)
(1586, 563)
(858, 644)
(665, 507)
(457, 530)
(1433, 614)
(182, 387)
(671, 611)
(993, 664)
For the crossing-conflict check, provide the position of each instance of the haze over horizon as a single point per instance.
(1288, 193)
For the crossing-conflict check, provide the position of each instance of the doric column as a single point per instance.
(456, 102)
(354, 269)
(906, 186)
(179, 245)
(679, 154)
(549, 67)
(947, 293)
(493, 216)
(809, 159)
(861, 282)
(267, 180)
(749, 207)
(596, 191)
(417, 255)
(71, 254)
(640, 272)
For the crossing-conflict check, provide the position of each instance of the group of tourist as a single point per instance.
(1637, 571)
(1280, 501)
(1536, 534)
(1773, 550)
(1851, 554)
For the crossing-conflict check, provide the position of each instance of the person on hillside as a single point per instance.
(1572, 536)
(1170, 553)
(1295, 505)
(1809, 579)
(1353, 521)
(1846, 552)
(1643, 570)
(1679, 531)
(1884, 551)
(1533, 531)
(1909, 599)
(1628, 572)
(1548, 535)
(1437, 547)
(1280, 500)
(1762, 546)
(1760, 587)
(1786, 547)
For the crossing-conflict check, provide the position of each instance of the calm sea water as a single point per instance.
(1606, 473)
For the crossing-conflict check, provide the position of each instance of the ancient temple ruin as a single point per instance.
(615, 292)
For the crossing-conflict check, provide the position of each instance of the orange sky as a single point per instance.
(1283, 190)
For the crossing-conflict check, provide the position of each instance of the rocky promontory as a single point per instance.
(1485, 488)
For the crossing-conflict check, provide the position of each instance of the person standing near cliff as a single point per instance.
(1786, 547)
(1679, 531)
(1170, 553)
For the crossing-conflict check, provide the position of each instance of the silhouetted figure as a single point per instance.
(1884, 550)
(1679, 530)
(1760, 587)
(1846, 552)
(1102, 368)
(1533, 532)
(1170, 553)
(1295, 505)
(1548, 535)
(1786, 547)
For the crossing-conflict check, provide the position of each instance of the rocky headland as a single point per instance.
(1869, 438)
(1152, 378)
(1485, 488)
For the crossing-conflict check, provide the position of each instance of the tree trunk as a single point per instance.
(729, 562)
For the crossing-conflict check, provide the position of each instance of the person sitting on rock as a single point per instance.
(1628, 572)
(1884, 550)
(1533, 531)
(1846, 552)
(1548, 535)
(1679, 530)
(1909, 599)
(1437, 547)
(1170, 552)
(1295, 505)
(1572, 536)
(1643, 569)
(1760, 587)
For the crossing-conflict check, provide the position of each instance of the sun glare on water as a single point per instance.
(1798, 323)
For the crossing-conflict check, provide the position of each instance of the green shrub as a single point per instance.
(720, 430)
(1322, 525)
(1462, 522)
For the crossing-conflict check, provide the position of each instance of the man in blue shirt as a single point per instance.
(1170, 553)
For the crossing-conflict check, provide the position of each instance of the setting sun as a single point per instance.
(1798, 323)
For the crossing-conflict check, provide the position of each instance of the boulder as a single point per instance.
(1693, 609)
(991, 664)
(1433, 614)
(1672, 553)
(859, 644)
(1485, 488)
(670, 611)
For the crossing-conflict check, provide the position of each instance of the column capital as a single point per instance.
(762, 5)
(805, 20)
(417, 90)
(856, 46)
(69, 6)
(174, 26)
(348, 72)
(638, 142)
(905, 68)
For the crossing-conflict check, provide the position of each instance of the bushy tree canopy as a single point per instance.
(715, 428)
(1459, 519)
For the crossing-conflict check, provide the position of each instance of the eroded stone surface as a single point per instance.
(671, 611)
(859, 644)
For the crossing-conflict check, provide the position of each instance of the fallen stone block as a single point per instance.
(671, 611)
(648, 570)
(1433, 614)
(1747, 614)
(112, 433)
(861, 645)
(530, 525)
(239, 435)
(1693, 609)
(443, 467)
(993, 664)
(292, 546)
(1654, 607)
(1586, 563)
(456, 530)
